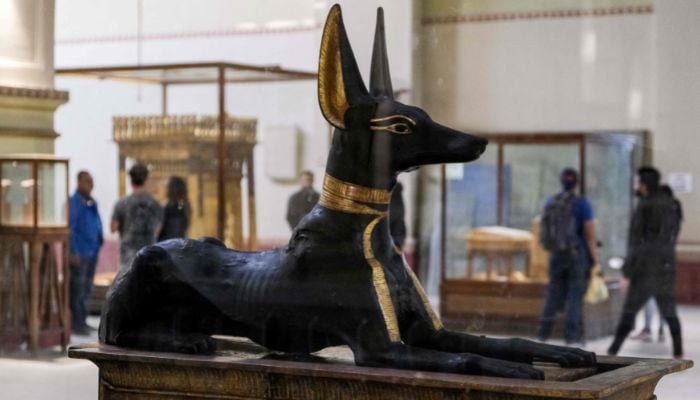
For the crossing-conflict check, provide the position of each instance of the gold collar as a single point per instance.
(351, 198)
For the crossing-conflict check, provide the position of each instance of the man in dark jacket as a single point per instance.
(303, 201)
(651, 259)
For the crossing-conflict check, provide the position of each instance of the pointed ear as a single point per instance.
(380, 77)
(340, 85)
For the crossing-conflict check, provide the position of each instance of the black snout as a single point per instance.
(480, 146)
(460, 147)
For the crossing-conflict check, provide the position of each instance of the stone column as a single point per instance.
(27, 97)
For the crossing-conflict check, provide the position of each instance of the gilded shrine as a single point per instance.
(214, 153)
(186, 146)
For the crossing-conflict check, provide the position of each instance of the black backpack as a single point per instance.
(558, 224)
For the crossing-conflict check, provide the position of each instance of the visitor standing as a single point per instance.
(177, 211)
(137, 217)
(650, 262)
(303, 201)
(567, 232)
(85, 243)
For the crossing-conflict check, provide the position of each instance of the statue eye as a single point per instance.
(400, 128)
(404, 127)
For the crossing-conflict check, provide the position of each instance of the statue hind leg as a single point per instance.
(147, 309)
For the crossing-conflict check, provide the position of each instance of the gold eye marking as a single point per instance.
(399, 128)
(411, 121)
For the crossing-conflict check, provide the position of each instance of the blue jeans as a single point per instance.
(568, 280)
(81, 278)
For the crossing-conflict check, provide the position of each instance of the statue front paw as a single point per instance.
(509, 369)
(564, 356)
(194, 344)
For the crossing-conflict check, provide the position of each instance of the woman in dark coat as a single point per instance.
(177, 212)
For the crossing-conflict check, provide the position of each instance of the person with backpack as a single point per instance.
(651, 257)
(567, 232)
(137, 217)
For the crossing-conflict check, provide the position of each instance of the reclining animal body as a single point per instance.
(340, 280)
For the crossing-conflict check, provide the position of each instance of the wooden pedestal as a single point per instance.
(514, 308)
(34, 290)
(247, 372)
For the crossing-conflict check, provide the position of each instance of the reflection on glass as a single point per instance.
(52, 194)
(534, 177)
(17, 194)
(530, 175)
(608, 187)
(472, 191)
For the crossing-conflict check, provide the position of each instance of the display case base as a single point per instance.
(514, 308)
(246, 371)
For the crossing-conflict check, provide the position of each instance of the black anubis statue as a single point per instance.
(340, 280)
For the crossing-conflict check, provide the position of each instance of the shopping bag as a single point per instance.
(597, 288)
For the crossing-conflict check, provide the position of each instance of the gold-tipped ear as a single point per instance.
(331, 87)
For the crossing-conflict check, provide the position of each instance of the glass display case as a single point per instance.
(493, 269)
(34, 236)
(509, 184)
(33, 192)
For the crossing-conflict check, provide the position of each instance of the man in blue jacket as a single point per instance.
(85, 243)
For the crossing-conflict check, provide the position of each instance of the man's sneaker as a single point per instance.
(644, 336)
(662, 337)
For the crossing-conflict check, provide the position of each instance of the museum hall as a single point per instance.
(335, 199)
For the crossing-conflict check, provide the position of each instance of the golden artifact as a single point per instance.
(355, 291)
(33, 252)
(502, 300)
(498, 245)
(187, 145)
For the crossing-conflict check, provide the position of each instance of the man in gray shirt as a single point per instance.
(137, 217)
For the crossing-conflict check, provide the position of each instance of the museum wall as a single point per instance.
(557, 66)
(27, 98)
(494, 72)
(26, 48)
(676, 119)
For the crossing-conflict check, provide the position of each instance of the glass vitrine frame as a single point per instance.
(35, 224)
(501, 141)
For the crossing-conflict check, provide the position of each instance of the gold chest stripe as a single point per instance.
(380, 286)
(437, 324)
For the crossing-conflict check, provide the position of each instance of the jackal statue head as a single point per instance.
(376, 137)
